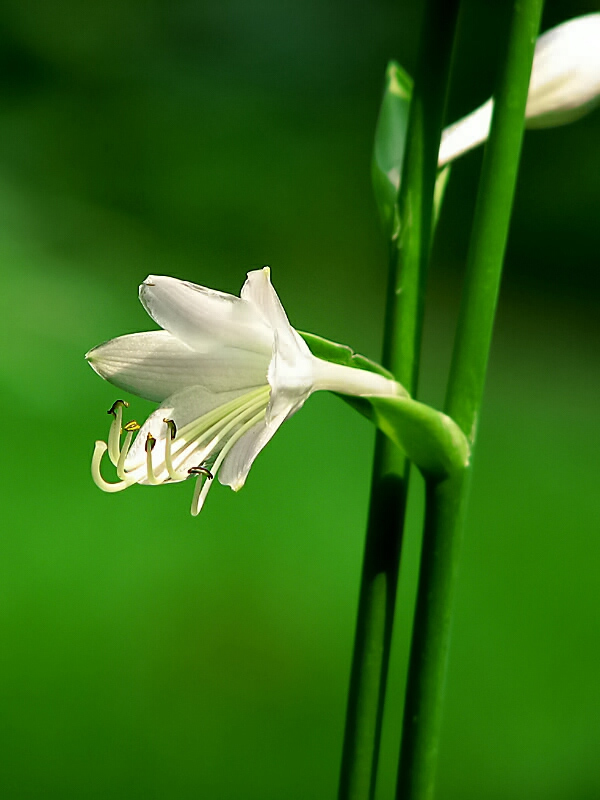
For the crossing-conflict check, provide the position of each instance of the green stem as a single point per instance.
(409, 252)
(373, 630)
(409, 256)
(491, 222)
(446, 500)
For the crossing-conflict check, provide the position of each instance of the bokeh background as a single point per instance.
(148, 654)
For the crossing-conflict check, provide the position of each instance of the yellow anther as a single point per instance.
(113, 409)
(132, 426)
(172, 427)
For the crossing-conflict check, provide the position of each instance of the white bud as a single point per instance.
(565, 85)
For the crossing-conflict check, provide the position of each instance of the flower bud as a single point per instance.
(564, 85)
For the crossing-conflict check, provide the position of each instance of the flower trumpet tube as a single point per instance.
(564, 85)
(227, 371)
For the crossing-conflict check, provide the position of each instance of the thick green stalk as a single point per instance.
(409, 255)
(446, 500)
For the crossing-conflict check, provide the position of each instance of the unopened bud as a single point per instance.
(564, 85)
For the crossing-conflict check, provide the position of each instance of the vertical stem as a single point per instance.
(446, 500)
(409, 253)
(409, 256)
(373, 630)
(491, 221)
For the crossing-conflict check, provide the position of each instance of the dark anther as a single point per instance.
(201, 471)
(113, 409)
(150, 442)
(172, 428)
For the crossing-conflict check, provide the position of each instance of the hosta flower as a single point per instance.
(226, 370)
(564, 85)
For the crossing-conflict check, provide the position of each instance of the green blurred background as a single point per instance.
(148, 654)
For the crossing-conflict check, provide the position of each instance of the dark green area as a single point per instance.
(149, 654)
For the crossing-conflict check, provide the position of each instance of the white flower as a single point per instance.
(564, 85)
(227, 372)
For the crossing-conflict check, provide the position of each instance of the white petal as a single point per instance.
(259, 292)
(183, 407)
(204, 318)
(565, 78)
(465, 134)
(291, 369)
(240, 458)
(156, 365)
(291, 378)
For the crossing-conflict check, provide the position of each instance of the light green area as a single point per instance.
(388, 150)
(145, 651)
(389, 145)
(147, 654)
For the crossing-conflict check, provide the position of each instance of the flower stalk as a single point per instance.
(409, 256)
(446, 499)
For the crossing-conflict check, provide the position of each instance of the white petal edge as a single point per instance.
(156, 365)
(242, 455)
(259, 292)
(204, 318)
(565, 78)
(467, 133)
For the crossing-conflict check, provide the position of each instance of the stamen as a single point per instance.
(131, 427)
(200, 492)
(195, 509)
(114, 434)
(99, 450)
(200, 470)
(224, 411)
(173, 474)
(113, 409)
(150, 476)
(205, 441)
(236, 414)
(172, 427)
